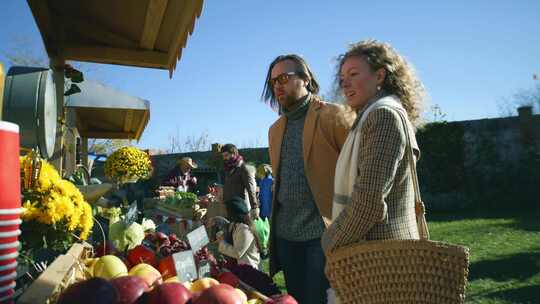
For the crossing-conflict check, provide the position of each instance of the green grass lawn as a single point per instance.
(505, 254)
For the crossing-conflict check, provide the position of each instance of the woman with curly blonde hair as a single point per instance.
(373, 191)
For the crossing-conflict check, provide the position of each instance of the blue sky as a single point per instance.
(469, 54)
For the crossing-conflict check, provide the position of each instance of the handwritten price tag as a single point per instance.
(185, 266)
(198, 238)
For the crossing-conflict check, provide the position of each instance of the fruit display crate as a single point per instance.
(56, 282)
(180, 212)
(177, 224)
(63, 271)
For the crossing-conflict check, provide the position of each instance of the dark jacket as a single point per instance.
(241, 182)
(176, 178)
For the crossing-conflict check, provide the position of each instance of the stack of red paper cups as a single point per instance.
(10, 208)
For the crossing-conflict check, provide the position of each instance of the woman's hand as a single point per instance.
(327, 241)
(220, 237)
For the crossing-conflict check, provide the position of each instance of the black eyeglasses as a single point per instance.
(282, 78)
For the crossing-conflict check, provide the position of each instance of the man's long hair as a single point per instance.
(303, 71)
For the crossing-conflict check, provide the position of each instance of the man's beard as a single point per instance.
(289, 102)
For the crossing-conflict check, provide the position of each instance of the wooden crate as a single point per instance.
(179, 212)
(55, 275)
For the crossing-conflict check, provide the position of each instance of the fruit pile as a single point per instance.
(165, 245)
(164, 191)
(132, 289)
(146, 274)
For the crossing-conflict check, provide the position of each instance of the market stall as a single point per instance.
(100, 111)
(162, 265)
(56, 220)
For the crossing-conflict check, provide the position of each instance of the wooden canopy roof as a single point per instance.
(142, 33)
(103, 112)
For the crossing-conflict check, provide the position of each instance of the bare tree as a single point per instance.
(106, 146)
(522, 97)
(436, 114)
(175, 144)
(23, 51)
(253, 143)
(191, 143)
(198, 143)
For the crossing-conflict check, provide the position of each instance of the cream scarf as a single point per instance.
(347, 164)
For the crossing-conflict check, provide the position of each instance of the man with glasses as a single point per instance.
(304, 144)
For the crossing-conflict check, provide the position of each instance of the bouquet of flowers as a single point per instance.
(55, 213)
(128, 163)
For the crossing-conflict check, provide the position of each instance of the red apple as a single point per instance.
(92, 291)
(173, 237)
(141, 254)
(160, 236)
(230, 278)
(195, 296)
(166, 267)
(219, 294)
(169, 293)
(130, 288)
(282, 299)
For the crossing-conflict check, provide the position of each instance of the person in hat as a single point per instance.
(181, 177)
(239, 242)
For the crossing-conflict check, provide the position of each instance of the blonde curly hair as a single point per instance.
(400, 77)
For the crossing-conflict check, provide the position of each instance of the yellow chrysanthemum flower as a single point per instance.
(57, 202)
(127, 163)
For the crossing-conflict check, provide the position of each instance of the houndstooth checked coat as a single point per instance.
(382, 205)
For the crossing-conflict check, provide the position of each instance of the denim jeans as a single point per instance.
(303, 268)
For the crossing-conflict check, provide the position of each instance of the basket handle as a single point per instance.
(420, 208)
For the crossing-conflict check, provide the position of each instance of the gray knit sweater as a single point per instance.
(298, 218)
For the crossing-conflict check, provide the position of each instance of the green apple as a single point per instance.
(109, 267)
(147, 272)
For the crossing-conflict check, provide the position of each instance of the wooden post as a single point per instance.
(84, 153)
(70, 142)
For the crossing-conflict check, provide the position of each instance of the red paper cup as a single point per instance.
(10, 245)
(8, 278)
(8, 258)
(10, 214)
(8, 251)
(9, 248)
(9, 236)
(8, 261)
(7, 294)
(6, 291)
(9, 225)
(7, 269)
(10, 174)
(6, 272)
(6, 288)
